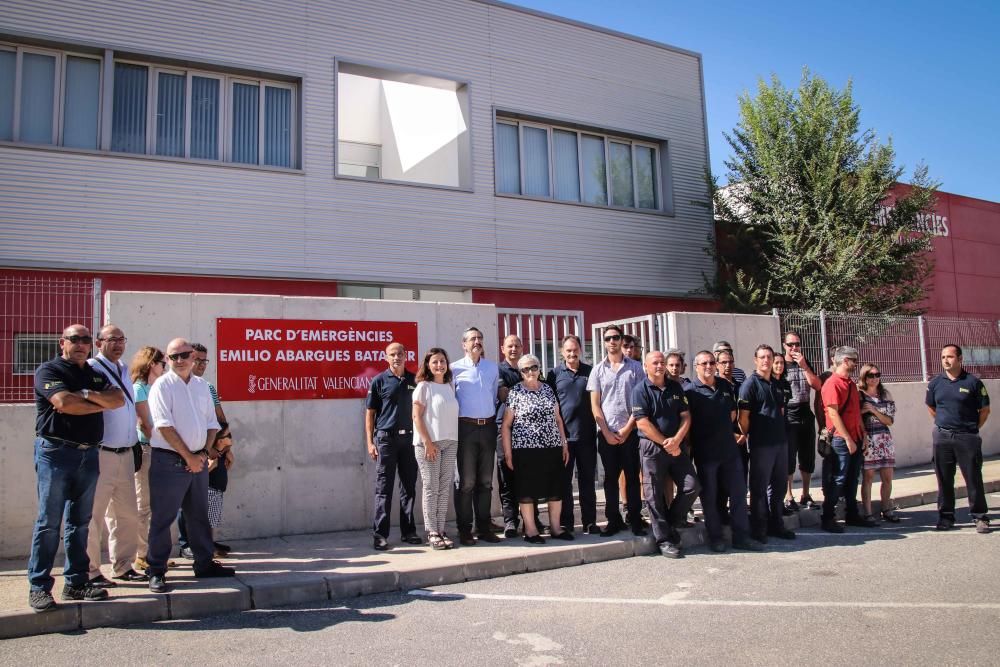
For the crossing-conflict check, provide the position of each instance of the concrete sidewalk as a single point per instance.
(298, 569)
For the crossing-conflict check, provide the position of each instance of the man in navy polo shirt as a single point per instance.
(661, 413)
(960, 405)
(69, 397)
(569, 383)
(713, 444)
(762, 418)
(389, 432)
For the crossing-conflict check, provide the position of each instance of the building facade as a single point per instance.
(459, 150)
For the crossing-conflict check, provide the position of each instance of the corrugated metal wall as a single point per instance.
(60, 209)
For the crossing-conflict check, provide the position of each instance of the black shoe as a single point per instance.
(783, 534)
(215, 570)
(945, 523)
(100, 581)
(613, 528)
(41, 601)
(534, 539)
(565, 535)
(413, 539)
(224, 548)
(831, 526)
(488, 536)
(85, 592)
(186, 552)
(495, 527)
(718, 547)
(568, 529)
(542, 528)
(638, 530)
(510, 531)
(790, 504)
(157, 583)
(379, 543)
(806, 502)
(592, 529)
(861, 521)
(670, 550)
(131, 575)
(466, 539)
(747, 545)
(787, 511)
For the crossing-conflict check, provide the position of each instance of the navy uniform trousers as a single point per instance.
(657, 466)
(395, 455)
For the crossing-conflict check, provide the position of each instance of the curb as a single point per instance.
(296, 589)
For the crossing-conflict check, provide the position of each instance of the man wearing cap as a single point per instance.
(389, 435)
(477, 380)
(69, 399)
(114, 500)
(959, 404)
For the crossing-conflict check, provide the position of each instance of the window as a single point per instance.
(571, 165)
(55, 98)
(30, 350)
(402, 127)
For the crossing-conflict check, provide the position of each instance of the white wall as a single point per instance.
(692, 332)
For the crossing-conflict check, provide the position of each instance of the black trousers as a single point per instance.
(395, 455)
(582, 456)
(618, 459)
(768, 480)
(728, 478)
(172, 487)
(657, 466)
(505, 489)
(966, 451)
(473, 495)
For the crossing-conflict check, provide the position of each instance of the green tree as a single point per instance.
(796, 226)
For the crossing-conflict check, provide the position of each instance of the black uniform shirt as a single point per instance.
(711, 420)
(391, 398)
(574, 401)
(663, 406)
(58, 375)
(957, 402)
(766, 404)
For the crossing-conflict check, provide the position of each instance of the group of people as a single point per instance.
(130, 448)
(138, 448)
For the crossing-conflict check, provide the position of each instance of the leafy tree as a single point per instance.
(796, 226)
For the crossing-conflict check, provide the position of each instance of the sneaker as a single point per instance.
(186, 552)
(945, 523)
(983, 526)
(670, 550)
(41, 601)
(215, 570)
(832, 526)
(100, 581)
(85, 592)
(157, 583)
(379, 543)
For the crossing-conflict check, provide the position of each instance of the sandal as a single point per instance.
(890, 516)
(448, 544)
(436, 542)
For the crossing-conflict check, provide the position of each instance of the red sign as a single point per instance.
(280, 360)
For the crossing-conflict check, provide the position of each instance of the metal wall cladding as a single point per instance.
(63, 209)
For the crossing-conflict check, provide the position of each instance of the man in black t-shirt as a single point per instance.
(69, 398)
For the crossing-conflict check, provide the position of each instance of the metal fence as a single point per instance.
(540, 330)
(649, 330)
(34, 311)
(905, 349)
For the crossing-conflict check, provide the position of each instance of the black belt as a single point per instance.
(478, 422)
(401, 431)
(66, 443)
(951, 431)
(114, 450)
(170, 451)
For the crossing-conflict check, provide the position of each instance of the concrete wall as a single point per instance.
(692, 332)
(301, 466)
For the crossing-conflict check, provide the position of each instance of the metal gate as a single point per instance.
(540, 330)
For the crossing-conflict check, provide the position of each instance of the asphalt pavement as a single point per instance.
(901, 594)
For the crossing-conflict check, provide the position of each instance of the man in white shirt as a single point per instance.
(114, 499)
(183, 438)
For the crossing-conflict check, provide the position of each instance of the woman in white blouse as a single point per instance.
(435, 440)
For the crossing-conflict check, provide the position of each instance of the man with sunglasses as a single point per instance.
(183, 439)
(69, 398)
(114, 500)
(800, 420)
(610, 385)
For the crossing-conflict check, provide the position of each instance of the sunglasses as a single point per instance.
(795, 344)
(114, 339)
(76, 340)
(529, 369)
(707, 363)
(874, 375)
(201, 362)
(162, 362)
(180, 355)
(608, 339)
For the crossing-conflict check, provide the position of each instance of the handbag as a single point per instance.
(137, 456)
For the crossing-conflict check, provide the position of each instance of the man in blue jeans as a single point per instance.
(841, 468)
(69, 397)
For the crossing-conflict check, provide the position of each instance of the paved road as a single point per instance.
(904, 595)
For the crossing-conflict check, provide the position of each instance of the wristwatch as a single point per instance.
(86, 394)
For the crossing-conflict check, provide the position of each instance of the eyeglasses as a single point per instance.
(201, 362)
(529, 369)
(616, 337)
(875, 375)
(794, 344)
(76, 340)
(114, 339)
(180, 355)
(706, 363)
(725, 363)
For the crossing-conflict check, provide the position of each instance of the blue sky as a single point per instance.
(925, 73)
